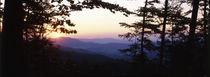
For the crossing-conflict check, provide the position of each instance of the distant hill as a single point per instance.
(107, 49)
(80, 55)
(105, 40)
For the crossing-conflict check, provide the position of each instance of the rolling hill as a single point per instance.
(109, 49)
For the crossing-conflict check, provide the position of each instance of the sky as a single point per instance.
(101, 23)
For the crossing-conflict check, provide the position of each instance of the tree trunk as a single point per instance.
(12, 52)
(205, 20)
(162, 47)
(188, 64)
(173, 34)
(193, 23)
(142, 37)
(208, 47)
(205, 60)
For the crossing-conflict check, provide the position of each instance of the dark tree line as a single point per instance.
(26, 51)
(182, 49)
(181, 38)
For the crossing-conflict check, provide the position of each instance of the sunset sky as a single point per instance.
(101, 23)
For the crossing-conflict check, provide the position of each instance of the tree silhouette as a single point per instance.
(163, 32)
(181, 41)
(45, 13)
(142, 36)
(193, 21)
(205, 23)
(27, 26)
(1, 15)
(192, 37)
(177, 54)
(207, 44)
(13, 57)
(138, 33)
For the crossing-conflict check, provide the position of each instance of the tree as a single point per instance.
(1, 15)
(192, 37)
(15, 26)
(178, 21)
(49, 20)
(208, 46)
(142, 36)
(139, 33)
(205, 20)
(205, 31)
(193, 21)
(162, 48)
(13, 56)
(155, 18)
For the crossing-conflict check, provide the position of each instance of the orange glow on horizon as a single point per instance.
(55, 35)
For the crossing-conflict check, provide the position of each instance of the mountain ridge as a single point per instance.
(105, 40)
(108, 49)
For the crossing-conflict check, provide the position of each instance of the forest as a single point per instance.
(181, 40)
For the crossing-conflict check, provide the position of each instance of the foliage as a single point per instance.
(179, 54)
(185, 50)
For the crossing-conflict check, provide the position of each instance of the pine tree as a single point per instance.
(142, 36)
(162, 48)
(28, 24)
(208, 45)
(140, 31)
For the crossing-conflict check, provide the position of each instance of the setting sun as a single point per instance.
(55, 35)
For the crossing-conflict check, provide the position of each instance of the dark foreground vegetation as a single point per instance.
(182, 40)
